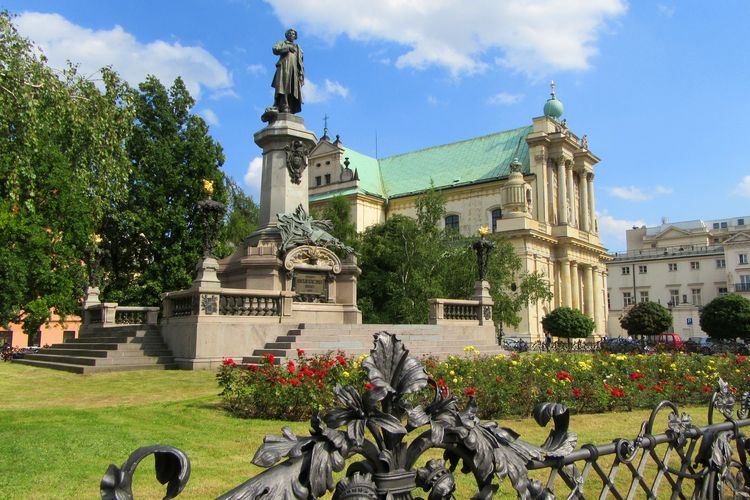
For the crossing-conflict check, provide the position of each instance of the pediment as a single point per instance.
(324, 148)
(739, 238)
(672, 232)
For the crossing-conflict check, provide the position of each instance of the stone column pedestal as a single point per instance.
(482, 294)
(206, 277)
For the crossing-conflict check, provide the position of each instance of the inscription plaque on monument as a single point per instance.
(310, 284)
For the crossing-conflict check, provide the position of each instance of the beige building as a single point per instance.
(534, 184)
(681, 265)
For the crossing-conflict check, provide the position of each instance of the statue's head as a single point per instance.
(291, 34)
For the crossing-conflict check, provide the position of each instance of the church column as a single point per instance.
(592, 211)
(571, 194)
(598, 313)
(564, 265)
(588, 289)
(562, 193)
(584, 190)
(550, 202)
(575, 286)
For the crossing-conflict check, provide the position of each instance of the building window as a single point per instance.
(497, 214)
(740, 222)
(627, 299)
(672, 266)
(626, 270)
(723, 225)
(6, 338)
(451, 222)
(716, 225)
(318, 180)
(674, 297)
(644, 296)
(721, 263)
(694, 265)
(744, 284)
(642, 269)
(743, 258)
(328, 178)
(68, 335)
(609, 301)
(723, 290)
(696, 296)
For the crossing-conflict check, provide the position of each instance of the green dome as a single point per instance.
(553, 108)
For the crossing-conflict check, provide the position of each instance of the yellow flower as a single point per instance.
(500, 357)
(455, 380)
(514, 362)
(361, 357)
(452, 372)
(737, 370)
(346, 374)
(673, 366)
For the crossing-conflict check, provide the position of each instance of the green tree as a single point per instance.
(726, 317)
(339, 212)
(646, 318)
(153, 240)
(569, 323)
(62, 167)
(242, 217)
(430, 207)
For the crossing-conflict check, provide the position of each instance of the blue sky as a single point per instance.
(660, 88)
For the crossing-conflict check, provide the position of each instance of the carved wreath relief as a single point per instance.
(296, 160)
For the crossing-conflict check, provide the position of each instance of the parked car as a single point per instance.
(622, 345)
(517, 345)
(670, 341)
(707, 345)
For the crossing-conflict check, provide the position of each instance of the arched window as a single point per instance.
(451, 222)
(497, 214)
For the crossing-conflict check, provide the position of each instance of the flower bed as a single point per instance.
(504, 386)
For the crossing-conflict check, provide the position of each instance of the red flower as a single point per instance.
(369, 386)
(679, 386)
(617, 392)
(577, 393)
(740, 359)
(564, 376)
(270, 358)
(290, 367)
(341, 360)
(498, 379)
(229, 361)
(321, 385)
(440, 383)
(550, 392)
(641, 387)
(470, 392)
(635, 376)
(658, 388)
(707, 389)
(607, 386)
(294, 381)
(300, 353)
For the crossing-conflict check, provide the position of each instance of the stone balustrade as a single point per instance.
(227, 302)
(113, 314)
(449, 310)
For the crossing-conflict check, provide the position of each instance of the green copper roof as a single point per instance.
(466, 162)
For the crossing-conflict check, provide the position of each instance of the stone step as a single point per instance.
(275, 352)
(98, 361)
(121, 330)
(279, 345)
(97, 353)
(82, 369)
(111, 346)
(287, 338)
(115, 340)
(260, 360)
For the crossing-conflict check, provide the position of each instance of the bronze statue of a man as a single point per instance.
(290, 75)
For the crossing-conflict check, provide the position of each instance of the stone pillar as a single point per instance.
(565, 282)
(550, 202)
(598, 313)
(575, 286)
(584, 190)
(592, 208)
(278, 192)
(571, 195)
(562, 193)
(588, 289)
(482, 294)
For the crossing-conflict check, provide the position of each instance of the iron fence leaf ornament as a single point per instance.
(388, 467)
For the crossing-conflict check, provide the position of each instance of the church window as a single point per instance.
(740, 222)
(497, 214)
(716, 225)
(451, 222)
(318, 180)
(328, 178)
(743, 258)
(723, 225)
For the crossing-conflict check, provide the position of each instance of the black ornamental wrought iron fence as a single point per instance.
(684, 461)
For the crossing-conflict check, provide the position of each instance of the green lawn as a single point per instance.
(60, 431)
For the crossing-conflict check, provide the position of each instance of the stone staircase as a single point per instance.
(100, 349)
(422, 340)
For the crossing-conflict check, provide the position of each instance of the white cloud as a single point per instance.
(312, 93)
(256, 69)
(253, 175)
(210, 117)
(61, 40)
(504, 99)
(632, 193)
(612, 230)
(666, 10)
(743, 188)
(535, 37)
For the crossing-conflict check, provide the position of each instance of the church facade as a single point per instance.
(533, 184)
